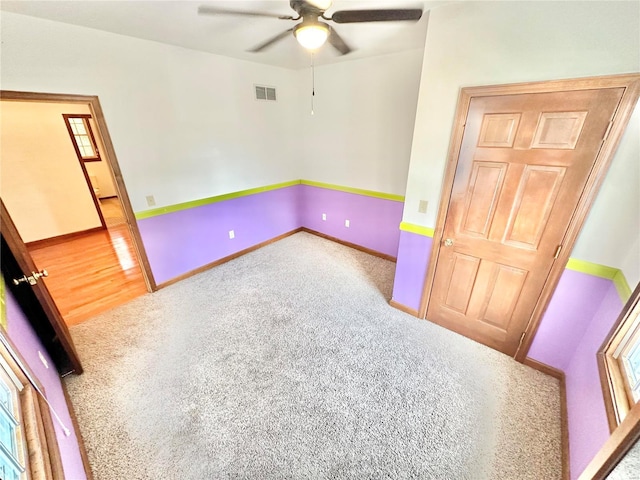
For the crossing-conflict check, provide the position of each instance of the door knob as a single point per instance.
(41, 273)
(24, 279)
(448, 242)
(31, 279)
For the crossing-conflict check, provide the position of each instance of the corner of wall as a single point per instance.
(414, 251)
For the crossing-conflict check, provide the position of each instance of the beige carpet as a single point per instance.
(289, 363)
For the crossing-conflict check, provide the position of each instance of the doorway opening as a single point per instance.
(88, 148)
(76, 220)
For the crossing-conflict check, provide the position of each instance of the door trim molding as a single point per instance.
(631, 84)
(109, 157)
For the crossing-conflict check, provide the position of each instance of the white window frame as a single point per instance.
(40, 452)
(88, 136)
(619, 395)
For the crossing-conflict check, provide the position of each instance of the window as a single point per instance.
(28, 445)
(84, 142)
(12, 444)
(619, 363)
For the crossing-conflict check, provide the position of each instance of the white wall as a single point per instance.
(184, 124)
(484, 43)
(42, 183)
(100, 171)
(360, 133)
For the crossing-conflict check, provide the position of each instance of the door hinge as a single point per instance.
(521, 339)
(606, 133)
(558, 250)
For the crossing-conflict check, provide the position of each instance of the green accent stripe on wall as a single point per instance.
(602, 271)
(358, 191)
(206, 201)
(622, 286)
(3, 305)
(418, 229)
(610, 273)
(592, 268)
(243, 193)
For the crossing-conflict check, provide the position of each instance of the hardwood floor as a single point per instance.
(112, 211)
(91, 273)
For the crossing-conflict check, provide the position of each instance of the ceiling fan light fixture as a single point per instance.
(321, 4)
(311, 35)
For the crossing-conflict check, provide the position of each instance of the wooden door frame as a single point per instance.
(25, 262)
(109, 156)
(631, 85)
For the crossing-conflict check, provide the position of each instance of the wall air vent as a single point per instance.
(265, 93)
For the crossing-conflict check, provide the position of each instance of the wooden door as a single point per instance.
(35, 299)
(523, 164)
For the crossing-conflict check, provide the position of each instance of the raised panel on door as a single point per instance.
(502, 295)
(460, 282)
(558, 130)
(498, 130)
(482, 196)
(534, 199)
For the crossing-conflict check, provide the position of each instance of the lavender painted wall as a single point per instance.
(578, 319)
(411, 267)
(179, 242)
(374, 221)
(28, 344)
(588, 427)
(571, 309)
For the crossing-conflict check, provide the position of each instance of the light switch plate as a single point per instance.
(150, 201)
(422, 206)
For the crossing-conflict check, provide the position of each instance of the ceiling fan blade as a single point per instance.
(271, 41)
(390, 15)
(338, 43)
(206, 10)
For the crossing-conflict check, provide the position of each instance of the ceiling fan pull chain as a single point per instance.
(313, 81)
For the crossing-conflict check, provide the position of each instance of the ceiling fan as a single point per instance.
(311, 33)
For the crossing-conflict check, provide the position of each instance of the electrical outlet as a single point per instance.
(232, 234)
(42, 359)
(324, 217)
(150, 201)
(422, 206)
(346, 223)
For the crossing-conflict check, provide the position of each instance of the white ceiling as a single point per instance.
(178, 23)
